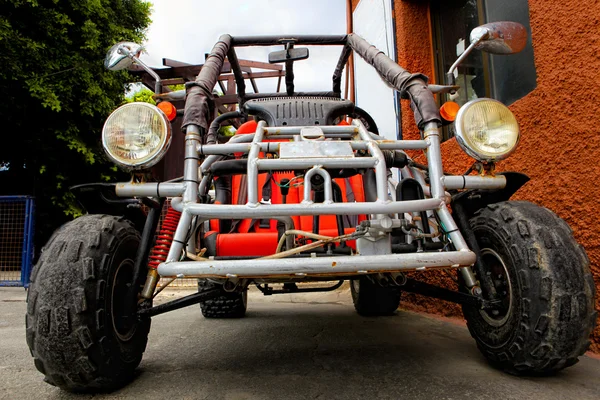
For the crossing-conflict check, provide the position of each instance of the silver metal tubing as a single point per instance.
(447, 223)
(393, 145)
(271, 147)
(288, 222)
(402, 144)
(228, 148)
(128, 189)
(226, 211)
(179, 239)
(380, 167)
(434, 160)
(204, 185)
(175, 95)
(190, 167)
(150, 71)
(302, 163)
(457, 240)
(252, 170)
(474, 182)
(418, 175)
(289, 225)
(295, 130)
(317, 170)
(316, 266)
(208, 161)
(462, 57)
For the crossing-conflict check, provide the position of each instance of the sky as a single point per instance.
(184, 30)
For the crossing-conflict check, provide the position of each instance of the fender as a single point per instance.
(100, 198)
(472, 200)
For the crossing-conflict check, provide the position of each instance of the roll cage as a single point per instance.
(200, 108)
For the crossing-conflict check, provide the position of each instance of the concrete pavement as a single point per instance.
(298, 347)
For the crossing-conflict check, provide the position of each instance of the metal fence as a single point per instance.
(16, 239)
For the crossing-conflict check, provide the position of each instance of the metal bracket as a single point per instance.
(437, 292)
(180, 303)
(268, 291)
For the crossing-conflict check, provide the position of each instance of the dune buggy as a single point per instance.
(300, 194)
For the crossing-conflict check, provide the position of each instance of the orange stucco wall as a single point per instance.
(560, 122)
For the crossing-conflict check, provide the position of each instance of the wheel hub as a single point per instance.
(124, 324)
(495, 266)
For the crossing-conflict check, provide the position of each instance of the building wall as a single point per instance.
(560, 130)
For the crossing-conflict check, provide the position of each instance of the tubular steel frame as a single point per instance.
(186, 201)
(196, 177)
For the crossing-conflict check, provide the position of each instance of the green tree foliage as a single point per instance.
(56, 95)
(143, 95)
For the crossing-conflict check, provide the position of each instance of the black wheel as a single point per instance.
(228, 305)
(546, 310)
(80, 332)
(371, 299)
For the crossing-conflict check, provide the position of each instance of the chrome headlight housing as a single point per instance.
(136, 135)
(487, 130)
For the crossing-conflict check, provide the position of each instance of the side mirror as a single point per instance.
(293, 54)
(503, 37)
(122, 55)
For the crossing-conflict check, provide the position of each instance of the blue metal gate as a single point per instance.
(16, 239)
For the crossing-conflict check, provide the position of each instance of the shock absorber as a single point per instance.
(164, 238)
(160, 251)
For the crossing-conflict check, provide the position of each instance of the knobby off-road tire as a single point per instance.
(228, 305)
(373, 300)
(75, 324)
(546, 320)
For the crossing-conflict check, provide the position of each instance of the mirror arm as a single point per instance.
(450, 80)
(157, 85)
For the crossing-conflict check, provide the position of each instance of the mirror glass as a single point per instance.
(118, 57)
(294, 54)
(500, 37)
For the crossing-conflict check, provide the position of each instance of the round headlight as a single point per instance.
(487, 130)
(136, 135)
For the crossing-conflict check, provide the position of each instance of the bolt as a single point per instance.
(476, 291)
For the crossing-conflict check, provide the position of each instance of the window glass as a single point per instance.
(453, 22)
(512, 76)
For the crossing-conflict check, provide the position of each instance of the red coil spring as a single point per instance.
(164, 238)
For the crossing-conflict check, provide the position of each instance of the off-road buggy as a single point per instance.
(303, 195)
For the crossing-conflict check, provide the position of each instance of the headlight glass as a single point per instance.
(136, 135)
(487, 130)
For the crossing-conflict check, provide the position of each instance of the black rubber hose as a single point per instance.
(319, 198)
(229, 167)
(370, 185)
(337, 198)
(412, 247)
(240, 167)
(223, 196)
(370, 123)
(211, 136)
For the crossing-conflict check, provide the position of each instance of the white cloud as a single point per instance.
(185, 30)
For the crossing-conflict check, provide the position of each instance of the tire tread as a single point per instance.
(556, 289)
(65, 306)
